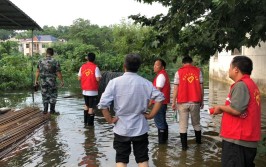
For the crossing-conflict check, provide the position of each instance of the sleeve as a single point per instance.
(176, 79)
(160, 81)
(97, 72)
(79, 74)
(156, 95)
(239, 97)
(107, 96)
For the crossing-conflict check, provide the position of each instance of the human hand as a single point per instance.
(147, 115)
(114, 120)
(174, 105)
(217, 110)
(36, 86)
(62, 84)
(36, 83)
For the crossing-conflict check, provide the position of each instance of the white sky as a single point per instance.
(100, 12)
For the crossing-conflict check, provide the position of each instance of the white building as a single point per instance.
(40, 44)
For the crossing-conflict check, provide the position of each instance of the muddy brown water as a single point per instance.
(64, 141)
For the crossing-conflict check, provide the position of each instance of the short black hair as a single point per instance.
(132, 62)
(243, 63)
(91, 57)
(162, 62)
(50, 51)
(187, 59)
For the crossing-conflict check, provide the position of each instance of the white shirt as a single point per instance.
(131, 94)
(89, 92)
(160, 81)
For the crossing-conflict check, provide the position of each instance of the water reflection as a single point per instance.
(65, 142)
(91, 150)
(12, 99)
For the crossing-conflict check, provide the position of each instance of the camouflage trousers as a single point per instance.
(49, 92)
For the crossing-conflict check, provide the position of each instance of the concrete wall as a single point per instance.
(220, 63)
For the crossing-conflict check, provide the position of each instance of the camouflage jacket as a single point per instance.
(48, 67)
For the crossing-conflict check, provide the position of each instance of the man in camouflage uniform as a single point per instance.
(48, 69)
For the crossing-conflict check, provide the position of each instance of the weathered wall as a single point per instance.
(220, 63)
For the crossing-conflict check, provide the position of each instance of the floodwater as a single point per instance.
(64, 141)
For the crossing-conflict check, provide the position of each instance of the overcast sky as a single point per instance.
(100, 12)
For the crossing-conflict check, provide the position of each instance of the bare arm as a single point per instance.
(174, 97)
(98, 79)
(108, 116)
(154, 110)
(222, 108)
(202, 96)
(59, 75)
(37, 74)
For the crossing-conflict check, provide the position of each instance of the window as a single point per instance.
(27, 45)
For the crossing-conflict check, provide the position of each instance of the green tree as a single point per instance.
(6, 34)
(204, 26)
(8, 47)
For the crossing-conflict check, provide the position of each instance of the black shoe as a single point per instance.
(183, 137)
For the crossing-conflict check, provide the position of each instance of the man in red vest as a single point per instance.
(241, 121)
(188, 93)
(162, 83)
(89, 76)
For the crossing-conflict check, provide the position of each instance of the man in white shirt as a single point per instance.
(162, 83)
(130, 94)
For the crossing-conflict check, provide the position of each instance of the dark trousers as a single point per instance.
(122, 145)
(160, 118)
(90, 101)
(234, 155)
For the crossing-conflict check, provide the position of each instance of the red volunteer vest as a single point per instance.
(247, 126)
(88, 79)
(166, 88)
(189, 89)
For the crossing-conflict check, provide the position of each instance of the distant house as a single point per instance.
(40, 44)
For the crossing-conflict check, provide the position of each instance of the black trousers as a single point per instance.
(122, 145)
(234, 155)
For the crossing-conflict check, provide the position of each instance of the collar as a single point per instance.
(130, 73)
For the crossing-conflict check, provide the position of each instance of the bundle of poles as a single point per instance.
(17, 126)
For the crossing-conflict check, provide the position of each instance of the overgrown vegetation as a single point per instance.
(110, 44)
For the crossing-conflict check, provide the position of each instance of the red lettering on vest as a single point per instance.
(88, 79)
(247, 126)
(189, 89)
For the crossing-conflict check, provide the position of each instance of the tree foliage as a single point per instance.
(6, 34)
(204, 26)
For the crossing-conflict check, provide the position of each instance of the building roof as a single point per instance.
(41, 38)
(46, 38)
(11, 17)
